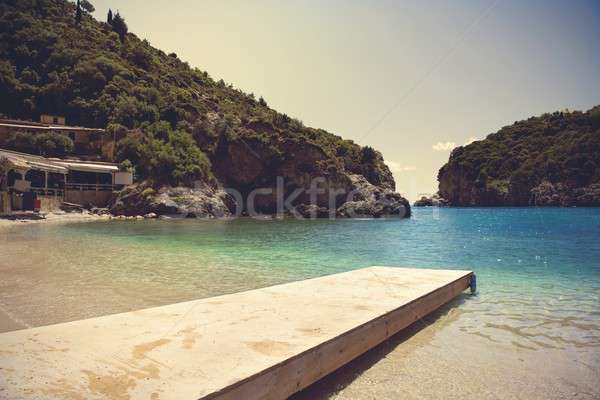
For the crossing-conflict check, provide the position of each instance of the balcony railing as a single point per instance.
(97, 187)
(73, 186)
(48, 191)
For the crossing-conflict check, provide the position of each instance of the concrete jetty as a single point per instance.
(260, 344)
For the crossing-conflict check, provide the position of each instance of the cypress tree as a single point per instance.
(119, 26)
(78, 13)
(109, 17)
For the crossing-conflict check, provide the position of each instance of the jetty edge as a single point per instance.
(259, 344)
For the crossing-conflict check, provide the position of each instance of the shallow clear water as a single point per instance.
(538, 269)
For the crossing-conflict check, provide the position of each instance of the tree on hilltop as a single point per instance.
(78, 13)
(87, 6)
(119, 26)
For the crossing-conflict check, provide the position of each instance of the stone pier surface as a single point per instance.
(261, 344)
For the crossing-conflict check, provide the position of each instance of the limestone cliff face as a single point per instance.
(246, 165)
(552, 160)
(460, 188)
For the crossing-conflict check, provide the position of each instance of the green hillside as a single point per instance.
(187, 126)
(553, 159)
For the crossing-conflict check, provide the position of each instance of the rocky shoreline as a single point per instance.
(545, 194)
(212, 201)
(144, 201)
(462, 192)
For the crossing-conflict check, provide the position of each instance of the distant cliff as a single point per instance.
(551, 160)
(179, 126)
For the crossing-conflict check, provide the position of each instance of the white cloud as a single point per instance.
(443, 146)
(398, 168)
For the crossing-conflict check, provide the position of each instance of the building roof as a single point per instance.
(87, 166)
(16, 124)
(25, 161)
(30, 161)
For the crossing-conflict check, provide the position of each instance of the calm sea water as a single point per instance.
(532, 331)
(538, 269)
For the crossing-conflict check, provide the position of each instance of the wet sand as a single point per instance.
(9, 322)
(53, 218)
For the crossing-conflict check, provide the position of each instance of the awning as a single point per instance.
(25, 161)
(89, 167)
(49, 167)
(51, 127)
(16, 162)
(22, 161)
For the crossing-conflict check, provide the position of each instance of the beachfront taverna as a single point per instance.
(31, 182)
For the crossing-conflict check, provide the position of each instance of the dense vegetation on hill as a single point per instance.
(46, 144)
(55, 58)
(553, 159)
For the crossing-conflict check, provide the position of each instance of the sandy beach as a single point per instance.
(54, 218)
(9, 321)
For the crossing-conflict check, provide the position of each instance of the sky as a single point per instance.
(412, 79)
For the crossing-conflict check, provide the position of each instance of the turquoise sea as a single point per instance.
(538, 269)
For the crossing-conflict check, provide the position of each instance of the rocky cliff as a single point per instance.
(551, 160)
(358, 198)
